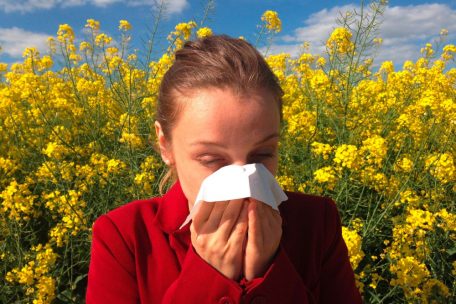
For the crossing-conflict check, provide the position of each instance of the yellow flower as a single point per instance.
(434, 290)
(321, 149)
(420, 219)
(272, 21)
(278, 64)
(301, 124)
(204, 32)
(3, 67)
(106, 166)
(185, 29)
(84, 45)
(448, 52)
(408, 197)
(427, 51)
(18, 203)
(45, 63)
(131, 139)
(124, 25)
(357, 224)
(387, 67)
(55, 150)
(404, 165)
(65, 33)
(45, 290)
(35, 274)
(286, 182)
(321, 62)
(374, 150)
(93, 24)
(410, 275)
(8, 166)
(378, 40)
(102, 40)
(340, 41)
(375, 278)
(448, 220)
(346, 156)
(326, 175)
(353, 241)
(441, 166)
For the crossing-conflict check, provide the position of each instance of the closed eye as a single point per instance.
(208, 160)
(256, 158)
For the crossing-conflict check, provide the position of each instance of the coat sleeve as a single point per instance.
(202, 283)
(280, 284)
(110, 258)
(337, 281)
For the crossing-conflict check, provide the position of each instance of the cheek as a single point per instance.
(190, 176)
(272, 165)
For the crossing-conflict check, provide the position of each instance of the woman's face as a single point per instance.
(216, 128)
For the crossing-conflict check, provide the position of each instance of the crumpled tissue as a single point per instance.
(235, 182)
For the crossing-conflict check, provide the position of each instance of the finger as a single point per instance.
(274, 230)
(254, 223)
(230, 217)
(269, 216)
(269, 222)
(238, 235)
(277, 217)
(264, 221)
(202, 214)
(214, 218)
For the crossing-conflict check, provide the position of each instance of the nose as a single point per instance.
(241, 161)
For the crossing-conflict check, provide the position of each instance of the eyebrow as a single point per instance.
(211, 143)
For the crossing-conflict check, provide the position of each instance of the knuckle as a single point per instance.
(240, 229)
(278, 218)
(230, 257)
(213, 248)
(192, 229)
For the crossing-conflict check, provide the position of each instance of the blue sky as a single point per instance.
(407, 25)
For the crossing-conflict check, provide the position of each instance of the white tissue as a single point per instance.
(235, 182)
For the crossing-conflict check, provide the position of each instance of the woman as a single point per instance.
(219, 104)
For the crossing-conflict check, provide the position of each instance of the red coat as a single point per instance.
(138, 255)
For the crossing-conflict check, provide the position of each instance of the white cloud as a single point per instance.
(404, 29)
(318, 26)
(172, 6)
(26, 6)
(14, 41)
(292, 49)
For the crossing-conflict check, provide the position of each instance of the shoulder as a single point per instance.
(128, 218)
(311, 215)
(143, 208)
(308, 205)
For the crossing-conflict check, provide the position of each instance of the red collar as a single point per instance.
(172, 210)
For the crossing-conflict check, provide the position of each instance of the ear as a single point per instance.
(163, 144)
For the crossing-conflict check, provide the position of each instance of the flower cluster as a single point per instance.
(340, 41)
(272, 21)
(36, 276)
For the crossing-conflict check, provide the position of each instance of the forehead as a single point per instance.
(222, 113)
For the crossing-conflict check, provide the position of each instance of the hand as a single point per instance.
(263, 239)
(218, 232)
